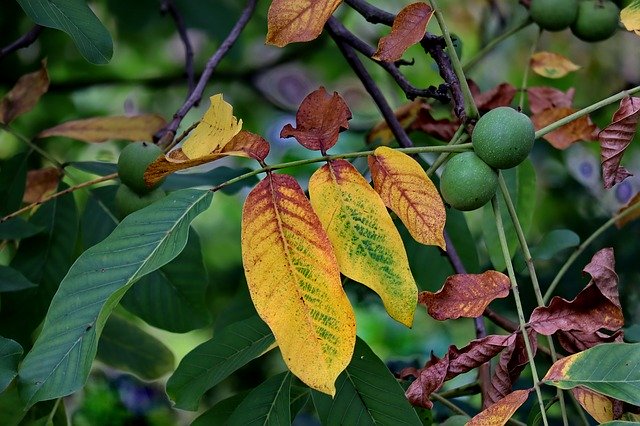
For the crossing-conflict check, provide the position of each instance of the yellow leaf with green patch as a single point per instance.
(367, 244)
(630, 17)
(217, 128)
(407, 190)
(294, 281)
(552, 65)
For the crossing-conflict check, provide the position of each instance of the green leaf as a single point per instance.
(11, 406)
(12, 280)
(61, 357)
(521, 182)
(75, 18)
(299, 398)
(612, 369)
(214, 360)
(18, 228)
(10, 354)
(367, 394)
(173, 298)
(125, 346)
(13, 177)
(267, 404)
(220, 413)
(98, 219)
(553, 243)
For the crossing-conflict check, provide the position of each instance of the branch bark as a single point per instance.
(23, 41)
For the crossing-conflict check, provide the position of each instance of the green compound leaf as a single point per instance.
(75, 18)
(61, 357)
(367, 394)
(10, 353)
(220, 413)
(214, 360)
(267, 404)
(12, 280)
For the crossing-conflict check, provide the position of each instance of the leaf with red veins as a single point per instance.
(319, 120)
(465, 295)
(409, 26)
(578, 341)
(603, 274)
(615, 138)
(541, 98)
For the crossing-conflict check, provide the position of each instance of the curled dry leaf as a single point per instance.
(319, 120)
(298, 20)
(25, 94)
(630, 17)
(39, 183)
(615, 138)
(406, 115)
(602, 269)
(599, 406)
(551, 65)
(102, 129)
(581, 129)
(541, 98)
(577, 341)
(499, 413)
(409, 26)
(465, 295)
(631, 216)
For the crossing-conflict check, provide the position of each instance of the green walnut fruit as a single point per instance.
(128, 201)
(132, 163)
(503, 137)
(554, 15)
(467, 182)
(597, 20)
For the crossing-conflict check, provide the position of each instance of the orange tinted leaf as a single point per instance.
(551, 65)
(406, 115)
(297, 20)
(319, 120)
(578, 130)
(632, 216)
(367, 244)
(294, 281)
(102, 129)
(247, 144)
(501, 411)
(409, 26)
(24, 95)
(599, 406)
(407, 190)
(39, 183)
(630, 17)
(615, 138)
(465, 295)
(541, 98)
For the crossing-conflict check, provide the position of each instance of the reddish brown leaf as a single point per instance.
(500, 412)
(425, 384)
(465, 295)
(603, 274)
(102, 129)
(406, 115)
(561, 138)
(247, 144)
(25, 94)
(578, 341)
(408, 28)
(615, 138)
(39, 183)
(320, 118)
(298, 20)
(541, 98)
(443, 129)
(501, 95)
(632, 216)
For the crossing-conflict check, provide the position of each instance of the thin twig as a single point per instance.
(7, 128)
(167, 6)
(23, 41)
(525, 76)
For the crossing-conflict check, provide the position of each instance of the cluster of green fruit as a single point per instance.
(590, 20)
(134, 194)
(501, 139)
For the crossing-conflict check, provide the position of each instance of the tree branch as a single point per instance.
(23, 41)
(167, 6)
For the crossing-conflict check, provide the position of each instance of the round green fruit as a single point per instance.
(132, 163)
(467, 182)
(128, 201)
(503, 137)
(554, 15)
(597, 20)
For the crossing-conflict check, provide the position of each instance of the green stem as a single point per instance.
(584, 245)
(450, 405)
(457, 139)
(53, 411)
(32, 145)
(469, 104)
(525, 77)
(516, 296)
(468, 389)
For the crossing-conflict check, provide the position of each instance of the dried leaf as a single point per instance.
(297, 20)
(551, 65)
(630, 17)
(406, 115)
(501, 95)
(615, 138)
(24, 95)
(443, 129)
(319, 120)
(407, 190)
(599, 406)
(294, 281)
(428, 380)
(632, 216)
(40, 183)
(409, 26)
(465, 295)
(602, 269)
(578, 130)
(577, 341)
(102, 129)
(499, 413)
(541, 98)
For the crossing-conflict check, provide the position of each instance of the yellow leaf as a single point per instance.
(599, 406)
(217, 128)
(630, 17)
(101, 129)
(367, 244)
(407, 190)
(294, 281)
(297, 20)
(552, 65)
(498, 413)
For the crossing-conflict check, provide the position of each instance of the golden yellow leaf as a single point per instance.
(630, 17)
(101, 129)
(297, 20)
(498, 413)
(552, 65)
(367, 244)
(294, 281)
(599, 406)
(407, 190)
(217, 128)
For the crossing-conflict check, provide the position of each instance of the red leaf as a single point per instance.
(408, 28)
(578, 341)
(249, 144)
(320, 118)
(465, 295)
(425, 384)
(501, 95)
(615, 138)
(541, 98)
(443, 129)
(24, 95)
(603, 274)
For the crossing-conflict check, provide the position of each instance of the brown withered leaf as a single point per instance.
(499, 413)
(577, 341)
(615, 138)
(580, 129)
(39, 183)
(500, 95)
(599, 406)
(455, 362)
(319, 120)
(551, 65)
(541, 98)
(465, 295)
(408, 28)
(442, 128)
(102, 129)
(25, 94)
(406, 115)
(602, 269)
(290, 21)
(631, 216)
